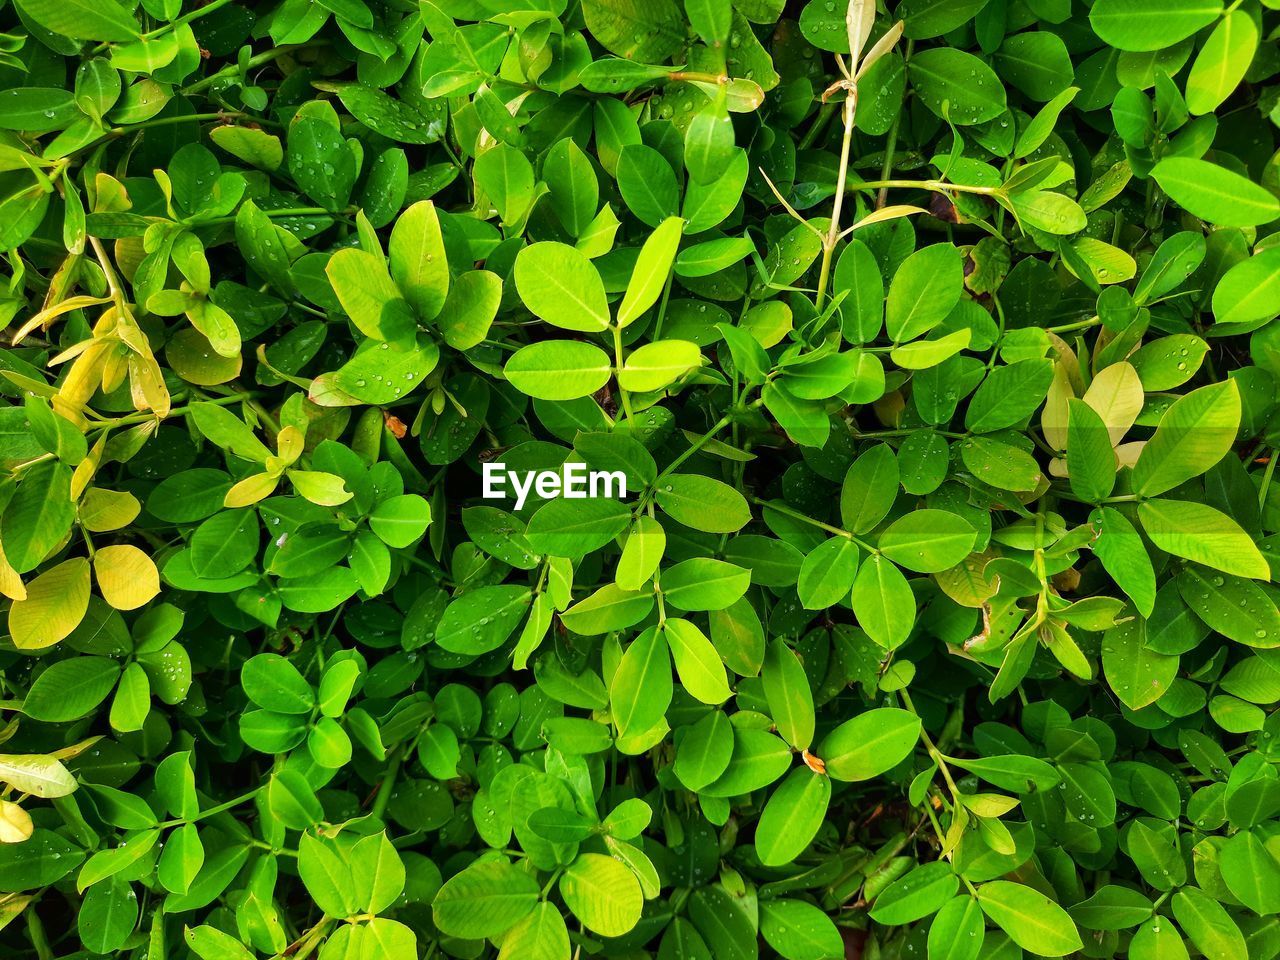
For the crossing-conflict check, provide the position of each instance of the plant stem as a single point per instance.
(1267, 474)
(891, 142)
(233, 69)
(833, 229)
(196, 14)
(937, 186)
(694, 447)
(214, 811)
(617, 360)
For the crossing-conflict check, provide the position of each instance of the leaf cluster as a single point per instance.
(936, 342)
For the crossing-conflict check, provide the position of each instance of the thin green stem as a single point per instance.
(794, 514)
(618, 357)
(891, 142)
(697, 445)
(213, 811)
(232, 70)
(1267, 474)
(196, 14)
(837, 205)
(1078, 325)
(937, 186)
(134, 418)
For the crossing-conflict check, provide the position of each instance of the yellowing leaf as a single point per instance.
(126, 576)
(56, 603)
(38, 775)
(1116, 395)
(15, 823)
(102, 510)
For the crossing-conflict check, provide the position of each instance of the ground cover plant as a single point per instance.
(935, 342)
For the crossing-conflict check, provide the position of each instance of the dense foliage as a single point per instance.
(935, 340)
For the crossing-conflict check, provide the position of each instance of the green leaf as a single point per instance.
(609, 608)
(758, 759)
(1203, 534)
(377, 873)
(322, 164)
(1009, 395)
(704, 749)
(869, 744)
(1222, 61)
(484, 900)
(799, 931)
(560, 285)
(641, 554)
(1138, 675)
(69, 689)
(926, 287)
(869, 490)
(482, 619)
(928, 541)
(957, 85)
(703, 503)
(1233, 606)
(1208, 925)
(1091, 460)
(1124, 556)
(603, 894)
(107, 915)
(1013, 772)
(709, 142)
(641, 688)
(369, 296)
(271, 681)
(400, 520)
(470, 308)
(657, 365)
(648, 31)
(1032, 920)
(1141, 25)
(210, 943)
(574, 528)
(925, 19)
(957, 931)
(1215, 193)
(883, 602)
(701, 672)
(417, 256)
(857, 276)
(1194, 434)
(506, 176)
(38, 516)
(558, 369)
(653, 267)
(541, 935)
(1247, 292)
(1112, 908)
(786, 688)
(1048, 211)
(575, 191)
(1158, 939)
(83, 20)
(704, 584)
(1251, 872)
(828, 572)
(647, 182)
(792, 817)
(920, 893)
(327, 875)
